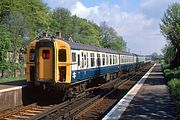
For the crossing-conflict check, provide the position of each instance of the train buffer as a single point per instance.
(148, 99)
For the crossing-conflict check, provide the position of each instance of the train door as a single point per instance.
(98, 64)
(45, 63)
(74, 66)
(63, 62)
(79, 65)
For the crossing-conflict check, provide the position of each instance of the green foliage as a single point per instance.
(21, 20)
(166, 66)
(61, 19)
(171, 73)
(169, 52)
(33, 15)
(172, 76)
(79, 29)
(174, 86)
(110, 39)
(170, 26)
(11, 79)
(156, 57)
(5, 44)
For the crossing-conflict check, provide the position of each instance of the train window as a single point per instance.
(83, 60)
(113, 59)
(62, 55)
(87, 60)
(130, 59)
(123, 60)
(45, 54)
(107, 59)
(32, 55)
(110, 59)
(118, 59)
(78, 60)
(92, 59)
(73, 57)
(98, 60)
(82, 56)
(103, 59)
(62, 73)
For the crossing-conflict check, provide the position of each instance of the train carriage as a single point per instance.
(52, 61)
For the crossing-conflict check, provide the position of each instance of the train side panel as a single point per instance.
(30, 61)
(63, 62)
(91, 64)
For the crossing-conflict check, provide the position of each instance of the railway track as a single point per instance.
(101, 106)
(82, 107)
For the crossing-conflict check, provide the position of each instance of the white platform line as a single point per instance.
(117, 111)
(13, 88)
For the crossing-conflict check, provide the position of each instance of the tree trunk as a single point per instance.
(176, 61)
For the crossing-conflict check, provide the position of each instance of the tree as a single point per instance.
(36, 15)
(170, 28)
(61, 20)
(155, 56)
(4, 47)
(15, 24)
(23, 19)
(34, 12)
(110, 39)
(81, 30)
(169, 53)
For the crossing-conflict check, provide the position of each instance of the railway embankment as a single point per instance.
(172, 77)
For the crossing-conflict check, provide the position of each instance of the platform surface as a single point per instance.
(152, 101)
(13, 84)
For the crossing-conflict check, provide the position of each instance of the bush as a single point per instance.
(174, 85)
(171, 73)
(166, 66)
(172, 76)
(168, 74)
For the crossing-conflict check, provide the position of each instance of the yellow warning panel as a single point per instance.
(45, 63)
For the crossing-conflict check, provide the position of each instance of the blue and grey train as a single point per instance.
(58, 62)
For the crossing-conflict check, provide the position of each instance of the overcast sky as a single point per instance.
(137, 21)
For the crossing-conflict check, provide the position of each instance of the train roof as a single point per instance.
(80, 46)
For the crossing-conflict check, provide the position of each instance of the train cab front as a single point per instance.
(48, 63)
(41, 62)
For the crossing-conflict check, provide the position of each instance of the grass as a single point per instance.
(2, 80)
(172, 77)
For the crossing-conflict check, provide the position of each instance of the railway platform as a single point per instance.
(13, 84)
(12, 94)
(148, 99)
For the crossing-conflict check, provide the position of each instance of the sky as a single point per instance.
(137, 21)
